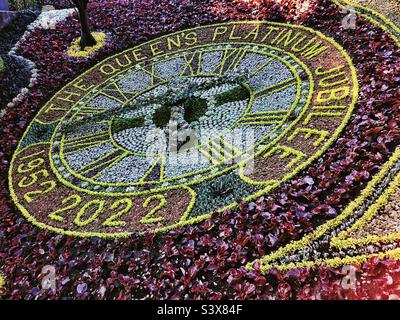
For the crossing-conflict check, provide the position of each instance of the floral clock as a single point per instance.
(168, 132)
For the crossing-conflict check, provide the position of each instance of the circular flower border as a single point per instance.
(235, 247)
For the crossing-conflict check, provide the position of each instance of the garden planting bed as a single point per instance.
(286, 180)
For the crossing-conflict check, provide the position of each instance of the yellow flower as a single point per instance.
(75, 50)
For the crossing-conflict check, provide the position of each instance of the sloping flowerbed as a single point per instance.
(390, 8)
(17, 72)
(208, 259)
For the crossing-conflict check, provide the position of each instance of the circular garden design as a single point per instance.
(241, 151)
(104, 144)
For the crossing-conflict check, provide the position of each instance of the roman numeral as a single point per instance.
(232, 59)
(74, 145)
(87, 111)
(218, 150)
(262, 66)
(96, 167)
(276, 87)
(115, 92)
(154, 79)
(192, 66)
(155, 172)
(263, 118)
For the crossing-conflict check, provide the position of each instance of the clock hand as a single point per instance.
(177, 92)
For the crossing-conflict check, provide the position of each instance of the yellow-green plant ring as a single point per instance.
(94, 179)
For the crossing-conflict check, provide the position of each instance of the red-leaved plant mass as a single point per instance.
(207, 260)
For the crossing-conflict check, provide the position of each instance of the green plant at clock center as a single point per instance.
(177, 107)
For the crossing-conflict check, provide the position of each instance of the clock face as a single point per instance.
(166, 133)
(224, 122)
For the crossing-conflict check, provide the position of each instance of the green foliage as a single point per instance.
(120, 124)
(161, 116)
(178, 91)
(25, 4)
(38, 133)
(1, 65)
(239, 93)
(194, 108)
(219, 192)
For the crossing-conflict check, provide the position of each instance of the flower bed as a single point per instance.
(16, 73)
(390, 8)
(207, 259)
(15, 29)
